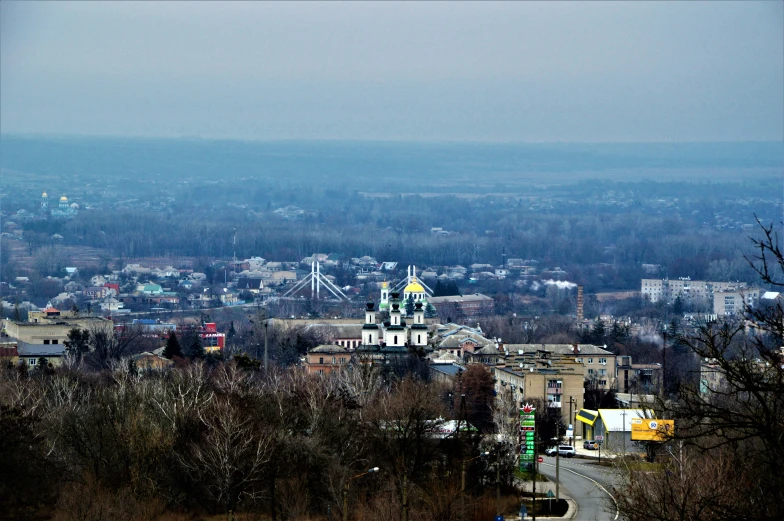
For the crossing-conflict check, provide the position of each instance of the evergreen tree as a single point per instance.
(78, 343)
(172, 347)
(195, 347)
(410, 306)
(677, 307)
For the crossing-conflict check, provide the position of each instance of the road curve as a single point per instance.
(588, 485)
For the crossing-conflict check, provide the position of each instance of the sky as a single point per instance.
(442, 71)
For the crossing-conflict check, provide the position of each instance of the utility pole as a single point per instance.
(536, 473)
(557, 460)
(623, 432)
(498, 479)
(571, 438)
(664, 359)
(266, 350)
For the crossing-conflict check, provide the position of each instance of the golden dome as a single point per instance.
(384, 284)
(414, 287)
(63, 199)
(44, 195)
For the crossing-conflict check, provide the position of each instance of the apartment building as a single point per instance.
(732, 302)
(596, 364)
(557, 387)
(690, 291)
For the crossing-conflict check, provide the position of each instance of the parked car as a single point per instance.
(591, 444)
(566, 451)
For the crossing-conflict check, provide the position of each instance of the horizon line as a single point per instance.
(138, 137)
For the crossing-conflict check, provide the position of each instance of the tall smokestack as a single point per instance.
(580, 302)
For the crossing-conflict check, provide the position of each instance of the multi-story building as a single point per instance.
(466, 306)
(732, 302)
(637, 378)
(690, 291)
(557, 387)
(326, 359)
(597, 364)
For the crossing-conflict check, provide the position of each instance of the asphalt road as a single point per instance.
(588, 484)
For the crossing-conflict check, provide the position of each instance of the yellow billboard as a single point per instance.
(648, 429)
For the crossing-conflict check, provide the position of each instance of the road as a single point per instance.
(588, 484)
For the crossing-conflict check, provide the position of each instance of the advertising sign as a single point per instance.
(527, 438)
(647, 429)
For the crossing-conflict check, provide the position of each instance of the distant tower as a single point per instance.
(64, 203)
(383, 305)
(44, 202)
(580, 302)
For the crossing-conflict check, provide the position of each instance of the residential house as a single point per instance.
(151, 362)
(252, 285)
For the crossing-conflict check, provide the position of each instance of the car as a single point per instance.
(591, 444)
(563, 450)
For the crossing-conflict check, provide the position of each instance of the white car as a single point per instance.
(566, 451)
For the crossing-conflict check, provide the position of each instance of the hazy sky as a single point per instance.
(507, 71)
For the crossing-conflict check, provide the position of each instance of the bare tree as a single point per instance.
(229, 460)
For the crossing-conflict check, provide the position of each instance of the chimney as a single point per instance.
(580, 303)
(575, 348)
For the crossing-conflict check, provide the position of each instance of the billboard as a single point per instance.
(649, 429)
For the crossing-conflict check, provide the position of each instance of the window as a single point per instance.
(321, 360)
(602, 372)
(419, 339)
(31, 361)
(46, 341)
(590, 371)
(602, 382)
(590, 360)
(55, 341)
(394, 341)
(334, 360)
(578, 360)
(603, 361)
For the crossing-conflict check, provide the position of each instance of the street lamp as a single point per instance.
(499, 441)
(345, 490)
(462, 478)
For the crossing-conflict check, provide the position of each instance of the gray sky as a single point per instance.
(507, 71)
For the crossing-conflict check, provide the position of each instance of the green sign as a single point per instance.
(527, 436)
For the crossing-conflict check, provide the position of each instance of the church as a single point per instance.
(63, 209)
(393, 336)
